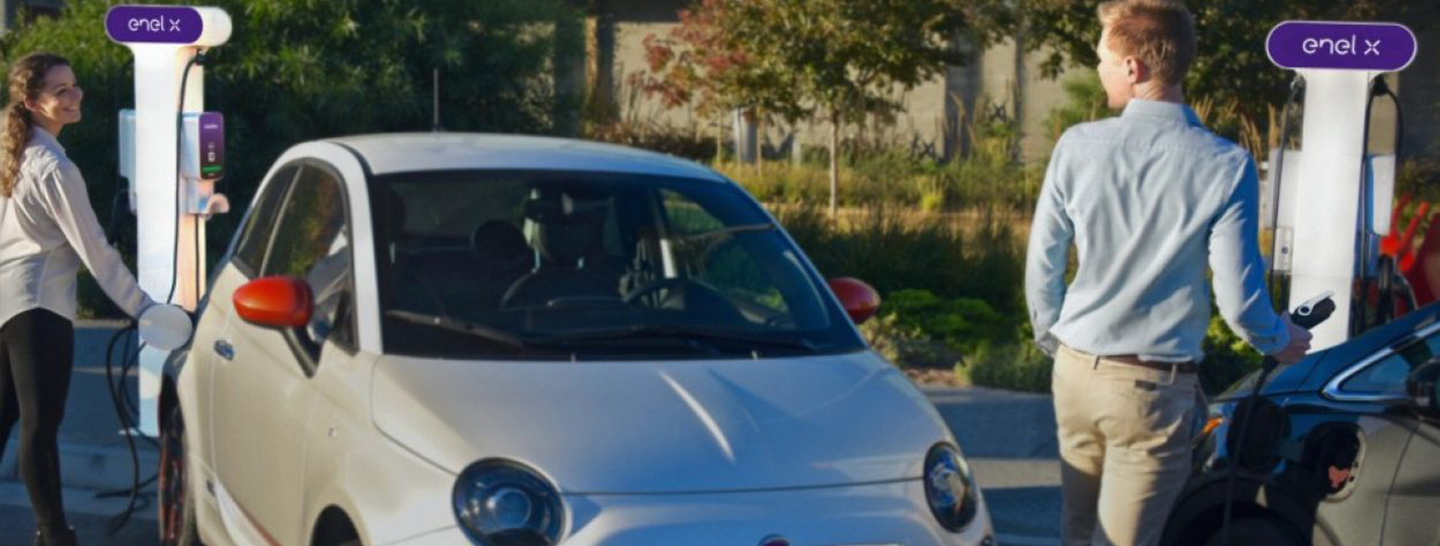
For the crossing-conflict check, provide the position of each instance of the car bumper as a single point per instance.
(866, 515)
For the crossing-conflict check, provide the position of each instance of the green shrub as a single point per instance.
(1227, 357)
(963, 324)
(892, 253)
(897, 179)
(906, 346)
(1018, 366)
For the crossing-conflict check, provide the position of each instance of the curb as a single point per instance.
(86, 466)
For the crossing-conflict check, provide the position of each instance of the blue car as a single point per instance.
(1343, 449)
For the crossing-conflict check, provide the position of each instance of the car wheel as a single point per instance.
(178, 526)
(1257, 530)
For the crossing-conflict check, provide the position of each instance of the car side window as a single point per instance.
(312, 243)
(260, 225)
(1387, 377)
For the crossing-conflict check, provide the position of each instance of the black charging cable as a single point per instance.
(1307, 316)
(1390, 278)
(1296, 86)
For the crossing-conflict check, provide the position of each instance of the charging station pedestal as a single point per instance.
(1338, 62)
(171, 236)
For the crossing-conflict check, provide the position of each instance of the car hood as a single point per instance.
(664, 427)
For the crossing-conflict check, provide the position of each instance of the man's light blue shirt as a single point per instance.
(1146, 198)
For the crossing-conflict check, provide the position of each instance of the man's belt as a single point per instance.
(1179, 367)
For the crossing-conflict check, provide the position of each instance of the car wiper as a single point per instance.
(482, 331)
(650, 331)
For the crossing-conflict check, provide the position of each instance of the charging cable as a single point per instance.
(1389, 278)
(1307, 316)
(1296, 85)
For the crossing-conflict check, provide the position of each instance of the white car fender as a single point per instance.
(388, 493)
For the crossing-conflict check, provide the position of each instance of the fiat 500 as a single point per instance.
(505, 341)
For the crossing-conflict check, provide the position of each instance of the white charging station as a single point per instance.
(171, 192)
(1331, 183)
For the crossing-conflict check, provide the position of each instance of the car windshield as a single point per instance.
(590, 266)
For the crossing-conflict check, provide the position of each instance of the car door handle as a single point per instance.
(224, 349)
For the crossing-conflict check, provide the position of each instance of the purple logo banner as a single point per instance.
(1380, 47)
(154, 24)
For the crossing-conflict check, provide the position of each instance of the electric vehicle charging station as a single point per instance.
(171, 164)
(1334, 201)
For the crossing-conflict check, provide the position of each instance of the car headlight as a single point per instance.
(950, 487)
(503, 503)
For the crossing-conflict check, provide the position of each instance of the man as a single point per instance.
(1146, 198)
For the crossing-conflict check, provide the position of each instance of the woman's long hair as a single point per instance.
(27, 80)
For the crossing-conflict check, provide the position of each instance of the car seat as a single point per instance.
(569, 238)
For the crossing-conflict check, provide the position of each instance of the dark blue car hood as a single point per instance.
(1312, 373)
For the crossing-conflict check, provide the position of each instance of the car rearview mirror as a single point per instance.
(1423, 385)
(860, 300)
(275, 302)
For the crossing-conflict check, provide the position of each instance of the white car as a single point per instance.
(519, 341)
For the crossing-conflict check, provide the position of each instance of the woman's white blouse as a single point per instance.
(47, 230)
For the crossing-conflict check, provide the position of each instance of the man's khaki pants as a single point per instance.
(1125, 436)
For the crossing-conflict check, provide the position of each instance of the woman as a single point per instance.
(47, 230)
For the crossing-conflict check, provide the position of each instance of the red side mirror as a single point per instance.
(860, 300)
(276, 302)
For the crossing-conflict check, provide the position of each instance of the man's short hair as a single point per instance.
(1161, 33)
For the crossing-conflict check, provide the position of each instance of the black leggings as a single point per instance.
(36, 357)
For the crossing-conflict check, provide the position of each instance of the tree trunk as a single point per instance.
(759, 144)
(720, 139)
(834, 162)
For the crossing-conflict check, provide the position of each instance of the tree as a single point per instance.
(843, 59)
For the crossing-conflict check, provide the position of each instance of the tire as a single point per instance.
(177, 523)
(1257, 531)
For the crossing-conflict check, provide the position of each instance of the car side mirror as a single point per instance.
(1423, 385)
(275, 302)
(860, 300)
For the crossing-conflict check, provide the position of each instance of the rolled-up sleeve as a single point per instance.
(1048, 255)
(63, 192)
(1239, 269)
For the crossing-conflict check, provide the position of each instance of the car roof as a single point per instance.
(408, 152)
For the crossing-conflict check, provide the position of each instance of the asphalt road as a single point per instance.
(90, 517)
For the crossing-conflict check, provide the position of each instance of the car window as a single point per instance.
(260, 224)
(1387, 376)
(312, 243)
(709, 252)
(561, 265)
